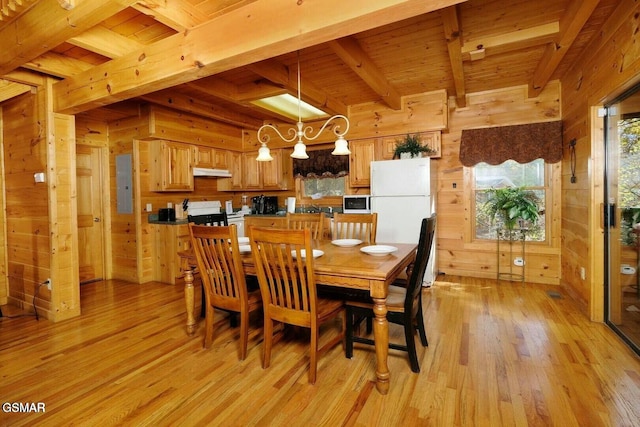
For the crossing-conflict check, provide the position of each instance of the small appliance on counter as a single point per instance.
(356, 203)
(166, 214)
(245, 207)
(291, 204)
(264, 205)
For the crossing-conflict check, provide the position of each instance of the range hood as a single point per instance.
(221, 173)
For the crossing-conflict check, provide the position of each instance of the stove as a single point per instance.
(207, 213)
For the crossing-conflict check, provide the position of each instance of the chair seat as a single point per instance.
(254, 298)
(328, 308)
(395, 300)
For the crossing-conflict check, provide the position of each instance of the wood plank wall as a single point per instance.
(134, 250)
(457, 252)
(610, 64)
(28, 240)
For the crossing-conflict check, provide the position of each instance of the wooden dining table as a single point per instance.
(340, 267)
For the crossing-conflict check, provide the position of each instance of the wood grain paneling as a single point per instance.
(610, 64)
(458, 252)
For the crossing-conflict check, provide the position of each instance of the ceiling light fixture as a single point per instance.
(300, 149)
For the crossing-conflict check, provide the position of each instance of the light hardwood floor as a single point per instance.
(500, 354)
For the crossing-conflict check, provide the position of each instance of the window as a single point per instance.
(531, 176)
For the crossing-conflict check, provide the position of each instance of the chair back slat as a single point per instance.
(286, 278)
(313, 221)
(425, 244)
(355, 226)
(218, 258)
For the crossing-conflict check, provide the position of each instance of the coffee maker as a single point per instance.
(264, 205)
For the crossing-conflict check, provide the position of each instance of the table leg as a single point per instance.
(189, 299)
(381, 338)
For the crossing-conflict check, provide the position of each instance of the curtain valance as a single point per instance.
(522, 143)
(321, 163)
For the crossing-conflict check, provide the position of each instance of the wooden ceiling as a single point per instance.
(212, 57)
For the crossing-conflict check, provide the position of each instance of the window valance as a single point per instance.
(522, 143)
(321, 163)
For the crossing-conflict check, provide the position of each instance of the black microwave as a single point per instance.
(356, 203)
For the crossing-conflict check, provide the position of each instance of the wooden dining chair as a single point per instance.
(404, 305)
(355, 226)
(288, 286)
(214, 220)
(312, 221)
(218, 257)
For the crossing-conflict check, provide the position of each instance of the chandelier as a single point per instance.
(302, 132)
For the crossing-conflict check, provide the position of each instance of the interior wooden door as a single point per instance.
(90, 213)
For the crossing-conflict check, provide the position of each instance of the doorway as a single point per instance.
(89, 175)
(621, 217)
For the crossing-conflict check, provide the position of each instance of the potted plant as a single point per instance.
(512, 205)
(411, 147)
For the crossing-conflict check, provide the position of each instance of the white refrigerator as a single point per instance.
(402, 194)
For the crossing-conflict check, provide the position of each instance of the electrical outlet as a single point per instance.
(149, 208)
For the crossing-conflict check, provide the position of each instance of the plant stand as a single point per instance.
(515, 241)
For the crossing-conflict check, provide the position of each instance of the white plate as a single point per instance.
(378, 250)
(244, 248)
(242, 240)
(316, 253)
(346, 242)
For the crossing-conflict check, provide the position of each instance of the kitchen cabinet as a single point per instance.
(234, 165)
(171, 167)
(362, 154)
(274, 175)
(169, 241)
(265, 221)
(364, 151)
(208, 157)
(388, 144)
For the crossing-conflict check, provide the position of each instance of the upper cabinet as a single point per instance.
(234, 165)
(362, 154)
(387, 145)
(364, 151)
(171, 167)
(255, 175)
(207, 157)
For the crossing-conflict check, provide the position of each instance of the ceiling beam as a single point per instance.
(10, 89)
(177, 14)
(512, 41)
(21, 41)
(281, 75)
(574, 18)
(351, 53)
(452, 35)
(57, 65)
(242, 95)
(241, 37)
(172, 99)
(105, 42)
(13, 8)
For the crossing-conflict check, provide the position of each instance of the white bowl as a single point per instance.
(378, 250)
(316, 253)
(346, 242)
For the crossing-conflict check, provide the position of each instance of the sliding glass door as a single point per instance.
(621, 217)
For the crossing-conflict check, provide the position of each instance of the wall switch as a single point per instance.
(38, 177)
(49, 284)
(149, 208)
(518, 261)
(583, 273)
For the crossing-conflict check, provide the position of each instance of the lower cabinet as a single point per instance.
(264, 221)
(169, 240)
